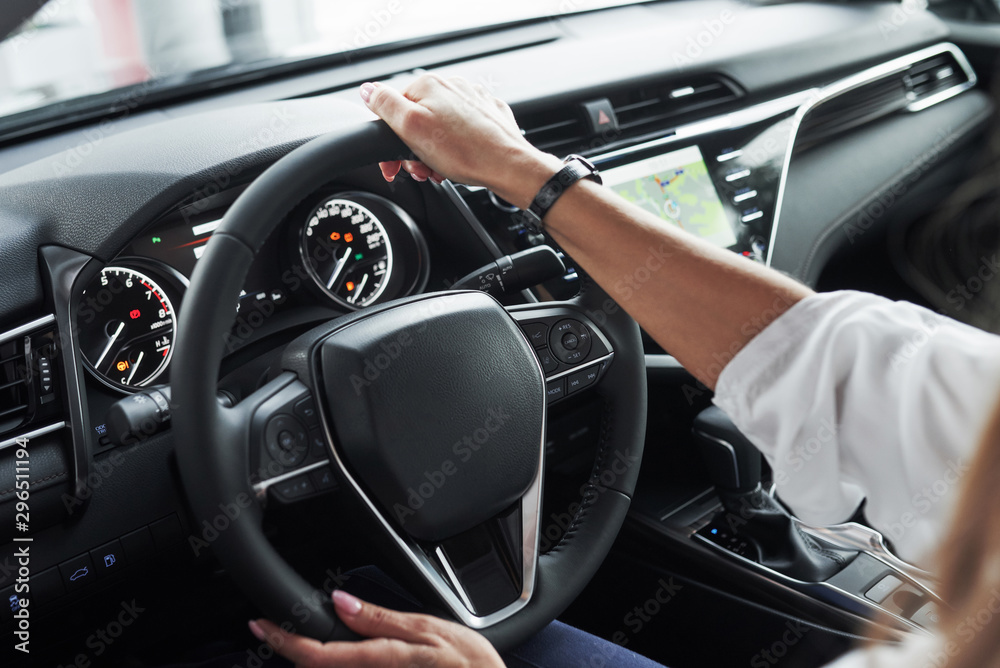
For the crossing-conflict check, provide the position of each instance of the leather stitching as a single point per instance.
(33, 482)
(599, 463)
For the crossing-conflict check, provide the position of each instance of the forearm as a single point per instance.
(699, 302)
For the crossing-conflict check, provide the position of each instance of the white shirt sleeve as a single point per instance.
(850, 395)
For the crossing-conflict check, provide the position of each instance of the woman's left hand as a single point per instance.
(394, 640)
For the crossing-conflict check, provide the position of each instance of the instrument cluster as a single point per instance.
(345, 249)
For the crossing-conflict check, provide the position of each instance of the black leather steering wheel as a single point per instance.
(458, 380)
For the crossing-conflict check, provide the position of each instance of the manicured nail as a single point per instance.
(345, 603)
(437, 180)
(366, 91)
(420, 179)
(256, 630)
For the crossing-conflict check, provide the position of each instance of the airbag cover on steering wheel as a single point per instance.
(438, 407)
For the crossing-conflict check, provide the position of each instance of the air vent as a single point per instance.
(934, 75)
(648, 108)
(639, 110)
(29, 374)
(550, 129)
(852, 109)
(14, 389)
(913, 87)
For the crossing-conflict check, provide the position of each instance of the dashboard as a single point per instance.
(774, 141)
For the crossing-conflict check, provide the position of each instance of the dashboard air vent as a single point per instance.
(549, 129)
(934, 75)
(14, 390)
(851, 109)
(651, 107)
(639, 110)
(914, 87)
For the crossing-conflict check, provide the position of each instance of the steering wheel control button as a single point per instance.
(883, 588)
(108, 558)
(548, 362)
(535, 331)
(305, 410)
(582, 379)
(323, 480)
(78, 572)
(555, 390)
(570, 341)
(287, 440)
(293, 489)
(317, 445)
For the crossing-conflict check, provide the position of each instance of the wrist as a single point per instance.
(525, 176)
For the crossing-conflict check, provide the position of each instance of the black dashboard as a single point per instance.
(771, 130)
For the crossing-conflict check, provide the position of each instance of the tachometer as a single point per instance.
(346, 250)
(127, 325)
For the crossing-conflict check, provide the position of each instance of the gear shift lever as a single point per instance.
(752, 523)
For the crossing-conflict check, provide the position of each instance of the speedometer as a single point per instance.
(127, 327)
(346, 250)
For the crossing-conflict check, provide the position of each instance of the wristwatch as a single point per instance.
(575, 167)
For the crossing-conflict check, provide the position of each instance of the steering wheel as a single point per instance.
(430, 410)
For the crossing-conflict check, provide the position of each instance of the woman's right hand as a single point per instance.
(460, 131)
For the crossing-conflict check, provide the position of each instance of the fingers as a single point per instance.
(388, 103)
(375, 621)
(372, 653)
(390, 169)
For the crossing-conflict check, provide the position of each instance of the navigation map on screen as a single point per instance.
(676, 187)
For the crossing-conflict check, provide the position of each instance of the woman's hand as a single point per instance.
(461, 132)
(395, 640)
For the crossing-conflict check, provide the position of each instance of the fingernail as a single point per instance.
(437, 180)
(366, 91)
(256, 630)
(345, 603)
(420, 179)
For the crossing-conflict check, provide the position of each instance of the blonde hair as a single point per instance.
(969, 562)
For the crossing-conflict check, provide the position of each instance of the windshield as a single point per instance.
(72, 49)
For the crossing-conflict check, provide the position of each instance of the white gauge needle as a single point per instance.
(114, 338)
(135, 367)
(357, 291)
(336, 270)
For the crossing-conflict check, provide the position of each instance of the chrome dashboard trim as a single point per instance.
(848, 84)
(28, 327)
(34, 433)
(801, 103)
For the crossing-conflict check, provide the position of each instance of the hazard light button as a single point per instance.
(601, 116)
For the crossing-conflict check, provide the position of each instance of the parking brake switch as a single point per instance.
(513, 273)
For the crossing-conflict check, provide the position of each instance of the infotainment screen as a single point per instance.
(676, 187)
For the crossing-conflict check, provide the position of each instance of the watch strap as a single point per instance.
(574, 168)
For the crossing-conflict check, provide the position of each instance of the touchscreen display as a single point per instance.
(676, 187)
